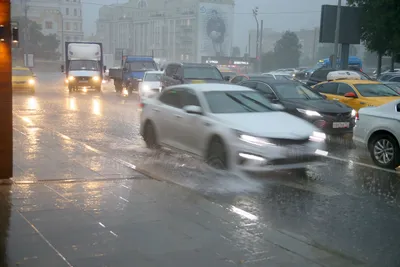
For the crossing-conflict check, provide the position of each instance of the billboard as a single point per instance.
(215, 29)
(349, 29)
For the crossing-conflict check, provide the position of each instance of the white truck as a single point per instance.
(84, 66)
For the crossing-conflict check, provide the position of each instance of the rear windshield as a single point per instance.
(295, 91)
(237, 102)
(202, 73)
(21, 73)
(375, 90)
(152, 77)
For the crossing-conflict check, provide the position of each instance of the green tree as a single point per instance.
(380, 28)
(38, 44)
(287, 51)
(235, 51)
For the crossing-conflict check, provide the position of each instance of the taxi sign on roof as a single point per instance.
(343, 75)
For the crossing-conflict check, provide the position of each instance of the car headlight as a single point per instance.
(96, 78)
(145, 87)
(353, 113)
(317, 137)
(258, 141)
(71, 78)
(310, 113)
(31, 81)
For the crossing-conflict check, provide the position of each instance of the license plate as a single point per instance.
(83, 81)
(197, 81)
(341, 125)
(295, 151)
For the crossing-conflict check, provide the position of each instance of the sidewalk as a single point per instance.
(70, 206)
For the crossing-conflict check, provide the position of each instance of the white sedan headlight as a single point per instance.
(96, 78)
(310, 113)
(145, 87)
(258, 141)
(353, 113)
(71, 78)
(317, 137)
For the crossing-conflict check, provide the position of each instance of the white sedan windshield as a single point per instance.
(237, 102)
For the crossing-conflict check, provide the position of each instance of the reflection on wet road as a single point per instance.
(347, 205)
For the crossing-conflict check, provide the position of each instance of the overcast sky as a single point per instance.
(279, 15)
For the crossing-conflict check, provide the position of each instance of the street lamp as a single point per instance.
(255, 13)
(57, 11)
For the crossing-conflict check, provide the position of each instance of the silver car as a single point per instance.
(230, 127)
(150, 85)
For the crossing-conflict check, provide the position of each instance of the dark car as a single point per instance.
(394, 85)
(332, 117)
(320, 75)
(244, 77)
(181, 73)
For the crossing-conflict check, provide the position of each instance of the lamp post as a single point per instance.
(337, 30)
(255, 13)
(62, 32)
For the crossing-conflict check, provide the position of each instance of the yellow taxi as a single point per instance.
(23, 79)
(349, 88)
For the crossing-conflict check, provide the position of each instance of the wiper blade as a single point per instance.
(234, 98)
(255, 101)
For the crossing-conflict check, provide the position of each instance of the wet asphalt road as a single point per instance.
(347, 205)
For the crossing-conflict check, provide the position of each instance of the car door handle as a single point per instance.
(178, 116)
(156, 109)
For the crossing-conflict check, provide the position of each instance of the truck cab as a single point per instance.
(83, 66)
(132, 72)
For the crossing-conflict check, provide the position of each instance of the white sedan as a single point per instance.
(378, 130)
(150, 85)
(230, 127)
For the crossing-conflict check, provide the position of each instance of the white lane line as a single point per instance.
(243, 213)
(124, 199)
(102, 225)
(125, 186)
(45, 240)
(360, 164)
(114, 234)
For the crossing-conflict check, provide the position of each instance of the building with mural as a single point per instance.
(180, 30)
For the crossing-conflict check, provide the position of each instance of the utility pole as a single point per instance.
(165, 42)
(255, 13)
(337, 32)
(26, 33)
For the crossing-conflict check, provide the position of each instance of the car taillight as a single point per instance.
(141, 105)
(357, 117)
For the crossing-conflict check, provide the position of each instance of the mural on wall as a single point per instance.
(215, 29)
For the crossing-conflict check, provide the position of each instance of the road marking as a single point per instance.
(124, 199)
(45, 240)
(243, 213)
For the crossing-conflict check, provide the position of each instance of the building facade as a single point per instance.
(60, 17)
(182, 30)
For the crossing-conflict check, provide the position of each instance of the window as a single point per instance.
(75, 26)
(327, 88)
(395, 79)
(67, 26)
(210, 73)
(171, 98)
(266, 90)
(385, 77)
(48, 25)
(375, 90)
(295, 91)
(152, 77)
(249, 84)
(237, 79)
(189, 98)
(171, 70)
(344, 88)
(237, 102)
(67, 11)
(75, 12)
